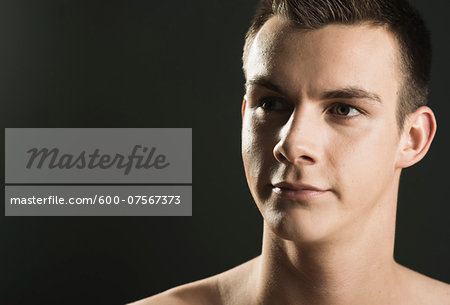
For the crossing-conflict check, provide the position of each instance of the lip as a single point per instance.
(297, 191)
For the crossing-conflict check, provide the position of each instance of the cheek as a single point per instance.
(255, 144)
(257, 154)
(249, 151)
(364, 164)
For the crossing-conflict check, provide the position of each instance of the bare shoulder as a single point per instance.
(219, 289)
(426, 290)
(199, 292)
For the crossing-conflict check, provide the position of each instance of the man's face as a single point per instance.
(320, 137)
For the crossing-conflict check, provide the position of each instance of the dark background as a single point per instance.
(168, 64)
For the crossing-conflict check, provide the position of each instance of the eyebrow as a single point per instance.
(264, 83)
(351, 93)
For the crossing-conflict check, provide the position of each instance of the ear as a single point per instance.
(244, 104)
(418, 133)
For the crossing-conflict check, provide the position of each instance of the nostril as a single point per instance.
(307, 158)
(280, 156)
(290, 151)
(285, 155)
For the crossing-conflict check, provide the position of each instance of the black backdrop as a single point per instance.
(168, 64)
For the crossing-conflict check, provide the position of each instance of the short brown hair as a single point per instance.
(400, 18)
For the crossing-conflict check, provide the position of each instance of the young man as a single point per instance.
(334, 110)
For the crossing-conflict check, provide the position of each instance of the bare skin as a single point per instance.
(323, 154)
(236, 287)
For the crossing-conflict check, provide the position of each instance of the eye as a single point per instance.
(344, 110)
(269, 104)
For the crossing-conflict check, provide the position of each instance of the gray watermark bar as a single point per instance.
(98, 155)
(70, 200)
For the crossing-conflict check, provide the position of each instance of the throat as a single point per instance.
(324, 274)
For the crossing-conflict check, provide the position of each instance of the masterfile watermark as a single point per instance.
(140, 157)
(98, 155)
(76, 200)
(98, 172)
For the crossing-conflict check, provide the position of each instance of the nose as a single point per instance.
(298, 140)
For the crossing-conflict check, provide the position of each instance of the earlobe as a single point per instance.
(417, 136)
(244, 104)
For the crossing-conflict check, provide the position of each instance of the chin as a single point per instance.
(300, 225)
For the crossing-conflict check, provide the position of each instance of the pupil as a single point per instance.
(268, 105)
(342, 110)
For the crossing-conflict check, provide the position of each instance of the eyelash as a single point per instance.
(273, 100)
(335, 106)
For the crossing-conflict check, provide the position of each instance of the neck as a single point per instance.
(355, 268)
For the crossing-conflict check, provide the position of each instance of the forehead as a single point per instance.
(332, 56)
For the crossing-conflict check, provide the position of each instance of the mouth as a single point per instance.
(297, 192)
